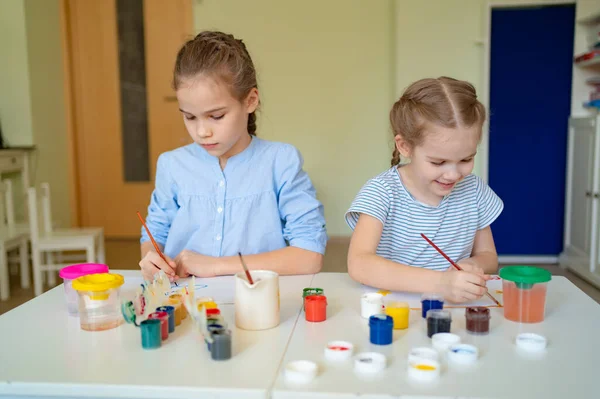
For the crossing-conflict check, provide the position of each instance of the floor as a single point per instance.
(124, 254)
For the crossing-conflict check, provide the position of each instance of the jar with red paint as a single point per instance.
(315, 308)
(478, 319)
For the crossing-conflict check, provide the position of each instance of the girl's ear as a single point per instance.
(402, 146)
(251, 101)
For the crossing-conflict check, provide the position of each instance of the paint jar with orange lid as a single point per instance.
(98, 303)
(524, 290)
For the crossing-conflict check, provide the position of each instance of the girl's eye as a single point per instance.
(467, 160)
(189, 118)
(437, 163)
(217, 117)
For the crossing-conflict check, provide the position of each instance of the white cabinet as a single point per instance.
(582, 218)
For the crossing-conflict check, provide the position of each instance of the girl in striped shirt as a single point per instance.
(429, 189)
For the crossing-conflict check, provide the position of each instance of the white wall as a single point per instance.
(325, 74)
(15, 107)
(47, 104)
(439, 38)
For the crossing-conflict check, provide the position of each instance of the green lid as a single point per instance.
(525, 276)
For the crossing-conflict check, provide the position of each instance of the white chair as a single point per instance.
(12, 237)
(48, 241)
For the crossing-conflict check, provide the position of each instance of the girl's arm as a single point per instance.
(161, 211)
(366, 267)
(484, 254)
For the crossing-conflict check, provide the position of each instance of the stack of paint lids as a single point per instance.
(217, 335)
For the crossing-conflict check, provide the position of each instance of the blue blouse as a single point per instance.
(262, 201)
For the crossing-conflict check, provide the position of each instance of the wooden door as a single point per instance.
(121, 55)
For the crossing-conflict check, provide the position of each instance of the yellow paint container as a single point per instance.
(399, 311)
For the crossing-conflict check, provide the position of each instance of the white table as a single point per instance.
(43, 353)
(568, 370)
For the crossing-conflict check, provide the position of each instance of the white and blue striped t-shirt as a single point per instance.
(470, 206)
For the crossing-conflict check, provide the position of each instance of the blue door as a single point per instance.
(530, 100)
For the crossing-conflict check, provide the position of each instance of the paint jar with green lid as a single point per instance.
(524, 290)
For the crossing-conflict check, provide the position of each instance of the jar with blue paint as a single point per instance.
(381, 329)
(429, 302)
(171, 312)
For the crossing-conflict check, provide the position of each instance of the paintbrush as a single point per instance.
(246, 269)
(454, 264)
(158, 251)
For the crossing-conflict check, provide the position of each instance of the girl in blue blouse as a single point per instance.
(229, 191)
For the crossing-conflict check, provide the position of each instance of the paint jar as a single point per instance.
(207, 305)
(176, 300)
(438, 321)
(369, 363)
(315, 308)
(399, 311)
(70, 273)
(524, 291)
(171, 312)
(371, 304)
(424, 370)
(215, 319)
(431, 301)
(380, 329)
(220, 349)
(311, 291)
(257, 305)
(212, 312)
(164, 323)
(150, 330)
(478, 319)
(443, 341)
(212, 329)
(338, 351)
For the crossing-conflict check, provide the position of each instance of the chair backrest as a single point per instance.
(9, 205)
(32, 207)
(7, 209)
(46, 207)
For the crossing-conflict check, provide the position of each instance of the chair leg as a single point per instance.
(4, 277)
(24, 261)
(51, 272)
(38, 276)
(101, 253)
(90, 252)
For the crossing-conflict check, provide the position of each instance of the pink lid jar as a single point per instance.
(70, 273)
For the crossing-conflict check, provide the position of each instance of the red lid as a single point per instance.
(158, 315)
(212, 312)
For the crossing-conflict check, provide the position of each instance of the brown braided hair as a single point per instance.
(219, 55)
(443, 101)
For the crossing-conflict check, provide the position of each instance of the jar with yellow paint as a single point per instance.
(176, 300)
(98, 301)
(399, 311)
